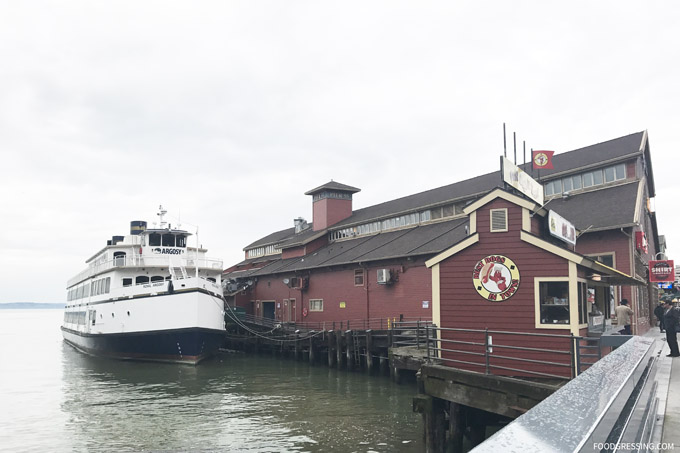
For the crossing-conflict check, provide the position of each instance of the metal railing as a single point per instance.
(507, 353)
(411, 333)
(136, 260)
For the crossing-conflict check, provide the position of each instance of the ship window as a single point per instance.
(94, 316)
(119, 258)
(141, 279)
(181, 241)
(127, 282)
(154, 239)
(168, 240)
(210, 279)
(156, 278)
(108, 285)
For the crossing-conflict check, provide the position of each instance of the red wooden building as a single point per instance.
(370, 263)
(510, 275)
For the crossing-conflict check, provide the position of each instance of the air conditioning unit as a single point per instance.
(384, 276)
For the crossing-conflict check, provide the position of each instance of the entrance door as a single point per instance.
(268, 309)
(292, 314)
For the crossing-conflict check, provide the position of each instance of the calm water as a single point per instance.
(54, 398)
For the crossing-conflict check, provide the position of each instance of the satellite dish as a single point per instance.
(286, 281)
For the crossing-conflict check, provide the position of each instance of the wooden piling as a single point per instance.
(369, 348)
(350, 349)
(338, 338)
(312, 352)
(331, 348)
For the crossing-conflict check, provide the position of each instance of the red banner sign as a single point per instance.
(661, 271)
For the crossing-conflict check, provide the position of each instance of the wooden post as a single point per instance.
(312, 352)
(434, 422)
(350, 349)
(384, 365)
(331, 349)
(369, 348)
(456, 428)
(338, 337)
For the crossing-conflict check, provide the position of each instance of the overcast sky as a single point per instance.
(226, 112)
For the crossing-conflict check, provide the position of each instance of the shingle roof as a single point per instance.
(332, 185)
(420, 240)
(600, 209)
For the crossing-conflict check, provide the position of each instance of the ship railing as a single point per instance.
(137, 260)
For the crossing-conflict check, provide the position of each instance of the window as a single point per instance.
(181, 240)
(553, 187)
(597, 177)
(620, 171)
(168, 240)
(157, 278)
(358, 277)
(448, 210)
(576, 182)
(108, 285)
(588, 180)
(582, 303)
(499, 220)
(315, 304)
(154, 239)
(567, 184)
(554, 302)
(607, 260)
(127, 282)
(141, 279)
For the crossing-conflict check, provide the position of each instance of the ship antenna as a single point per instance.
(161, 213)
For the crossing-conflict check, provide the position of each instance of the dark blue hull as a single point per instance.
(189, 345)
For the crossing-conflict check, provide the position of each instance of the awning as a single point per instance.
(609, 275)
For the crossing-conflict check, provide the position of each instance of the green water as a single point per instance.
(55, 398)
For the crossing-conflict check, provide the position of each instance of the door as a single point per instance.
(268, 309)
(292, 314)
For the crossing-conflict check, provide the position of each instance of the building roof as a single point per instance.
(332, 185)
(420, 240)
(606, 207)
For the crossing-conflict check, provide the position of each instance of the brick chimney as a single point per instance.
(331, 203)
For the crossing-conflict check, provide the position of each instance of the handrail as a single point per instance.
(137, 260)
(451, 345)
(613, 403)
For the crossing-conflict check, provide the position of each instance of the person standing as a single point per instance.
(658, 312)
(623, 316)
(671, 320)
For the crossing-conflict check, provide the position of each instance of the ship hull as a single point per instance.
(188, 345)
(183, 327)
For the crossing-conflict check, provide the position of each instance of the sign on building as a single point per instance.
(561, 228)
(520, 180)
(661, 271)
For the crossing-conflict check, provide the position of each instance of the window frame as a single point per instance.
(498, 230)
(312, 305)
(539, 324)
(359, 273)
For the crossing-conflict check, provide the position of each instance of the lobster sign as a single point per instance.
(496, 278)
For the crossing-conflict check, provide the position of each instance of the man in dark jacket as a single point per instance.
(671, 321)
(658, 312)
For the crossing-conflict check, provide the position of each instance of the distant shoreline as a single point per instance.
(34, 305)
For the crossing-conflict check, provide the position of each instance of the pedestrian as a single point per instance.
(623, 316)
(658, 312)
(671, 322)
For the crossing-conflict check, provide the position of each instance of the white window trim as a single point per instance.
(491, 229)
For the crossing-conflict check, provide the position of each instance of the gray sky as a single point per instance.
(227, 112)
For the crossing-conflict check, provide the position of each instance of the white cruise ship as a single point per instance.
(147, 296)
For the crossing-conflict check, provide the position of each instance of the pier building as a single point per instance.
(377, 262)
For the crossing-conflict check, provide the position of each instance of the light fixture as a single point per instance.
(595, 277)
